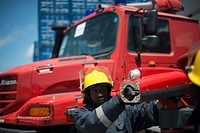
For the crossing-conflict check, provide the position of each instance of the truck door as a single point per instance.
(162, 55)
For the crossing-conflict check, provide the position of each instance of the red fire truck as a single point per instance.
(133, 41)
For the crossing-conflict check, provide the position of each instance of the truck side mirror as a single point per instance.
(150, 40)
(59, 28)
(150, 22)
(146, 28)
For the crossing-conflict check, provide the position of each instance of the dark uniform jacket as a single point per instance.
(113, 117)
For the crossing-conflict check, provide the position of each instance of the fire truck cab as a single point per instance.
(41, 96)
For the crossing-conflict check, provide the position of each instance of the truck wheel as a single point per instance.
(71, 129)
(58, 129)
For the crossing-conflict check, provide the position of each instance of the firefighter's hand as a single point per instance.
(119, 98)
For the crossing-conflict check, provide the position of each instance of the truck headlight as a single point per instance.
(36, 113)
(39, 111)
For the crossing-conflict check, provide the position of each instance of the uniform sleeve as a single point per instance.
(100, 119)
(143, 116)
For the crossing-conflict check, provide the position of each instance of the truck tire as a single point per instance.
(57, 129)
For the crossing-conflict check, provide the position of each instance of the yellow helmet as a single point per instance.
(94, 75)
(91, 76)
(194, 74)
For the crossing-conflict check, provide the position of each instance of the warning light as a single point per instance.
(152, 64)
(89, 11)
(120, 2)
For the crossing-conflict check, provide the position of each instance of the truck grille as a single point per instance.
(8, 90)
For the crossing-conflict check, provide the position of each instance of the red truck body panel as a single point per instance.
(54, 83)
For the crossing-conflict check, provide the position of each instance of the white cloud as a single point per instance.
(6, 40)
(17, 33)
(30, 50)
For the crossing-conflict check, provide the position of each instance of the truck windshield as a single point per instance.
(95, 36)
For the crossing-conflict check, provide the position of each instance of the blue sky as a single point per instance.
(18, 32)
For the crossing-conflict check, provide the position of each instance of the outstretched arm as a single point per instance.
(143, 116)
(100, 119)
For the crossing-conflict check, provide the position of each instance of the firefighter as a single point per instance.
(194, 76)
(105, 114)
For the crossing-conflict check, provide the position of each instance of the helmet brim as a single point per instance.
(194, 78)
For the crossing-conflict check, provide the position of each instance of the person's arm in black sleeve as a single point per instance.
(100, 119)
(143, 116)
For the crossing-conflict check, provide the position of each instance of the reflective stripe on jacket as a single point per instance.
(112, 117)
